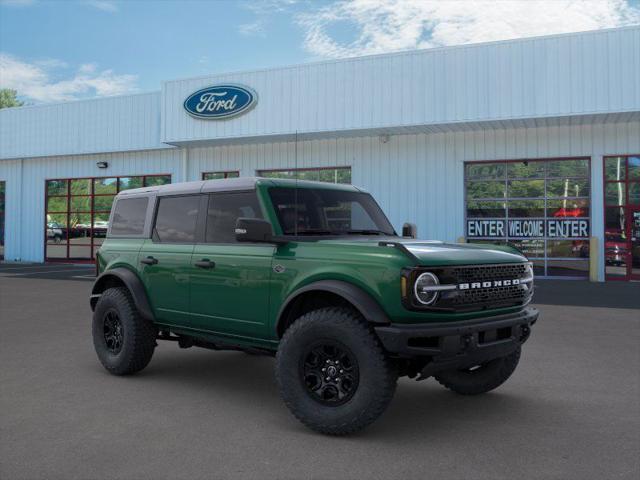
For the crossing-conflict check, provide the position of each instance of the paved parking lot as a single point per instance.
(571, 410)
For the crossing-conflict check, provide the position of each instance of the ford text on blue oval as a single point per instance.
(220, 101)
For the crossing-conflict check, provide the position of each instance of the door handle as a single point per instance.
(205, 263)
(149, 261)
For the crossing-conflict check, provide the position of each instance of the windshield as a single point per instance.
(328, 212)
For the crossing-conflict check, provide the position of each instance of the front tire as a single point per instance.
(481, 378)
(123, 340)
(332, 373)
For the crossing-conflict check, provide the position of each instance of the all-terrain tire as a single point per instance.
(372, 390)
(481, 379)
(137, 335)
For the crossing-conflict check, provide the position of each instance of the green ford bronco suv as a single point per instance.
(314, 274)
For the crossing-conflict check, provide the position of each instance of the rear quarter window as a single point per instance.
(128, 216)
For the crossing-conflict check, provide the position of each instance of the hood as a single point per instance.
(436, 253)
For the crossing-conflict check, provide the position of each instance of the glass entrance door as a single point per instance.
(634, 243)
(622, 217)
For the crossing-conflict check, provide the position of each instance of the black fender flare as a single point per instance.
(361, 300)
(133, 284)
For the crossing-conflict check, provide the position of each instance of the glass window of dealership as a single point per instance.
(543, 208)
(77, 213)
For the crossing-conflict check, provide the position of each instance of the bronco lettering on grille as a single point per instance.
(488, 284)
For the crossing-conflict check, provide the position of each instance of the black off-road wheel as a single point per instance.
(332, 373)
(480, 378)
(123, 340)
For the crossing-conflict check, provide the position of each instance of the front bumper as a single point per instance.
(453, 345)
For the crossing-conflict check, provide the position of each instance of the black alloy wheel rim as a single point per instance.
(330, 373)
(113, 334)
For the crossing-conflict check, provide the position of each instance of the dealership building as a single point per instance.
(535, 142)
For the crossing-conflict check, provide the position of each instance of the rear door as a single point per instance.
(165, 258)
(230, 280)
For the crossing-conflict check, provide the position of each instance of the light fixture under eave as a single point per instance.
(102, 164)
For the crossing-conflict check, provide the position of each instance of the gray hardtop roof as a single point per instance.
(230, 185)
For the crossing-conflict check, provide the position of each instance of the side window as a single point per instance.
(224, 211)
(176, 219)
(129, 215)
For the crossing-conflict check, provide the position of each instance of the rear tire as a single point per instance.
(123, 340)
(482, 378)
(358, 380)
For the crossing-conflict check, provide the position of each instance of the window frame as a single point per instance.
(92, 246)
(546, 258)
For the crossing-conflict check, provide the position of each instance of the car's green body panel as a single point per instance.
(233, 297)
(240, 299)
(119, 252)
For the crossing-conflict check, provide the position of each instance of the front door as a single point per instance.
(634, 243)
(230, 280)
(622, 217)
(165, 259)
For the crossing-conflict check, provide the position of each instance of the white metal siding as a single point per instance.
(547, 77)
(90, 126)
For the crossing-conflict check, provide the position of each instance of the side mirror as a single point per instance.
(253, 230)
(409, 230)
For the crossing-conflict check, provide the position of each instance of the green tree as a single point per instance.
(8, 98)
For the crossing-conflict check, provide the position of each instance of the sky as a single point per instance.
(59, 50)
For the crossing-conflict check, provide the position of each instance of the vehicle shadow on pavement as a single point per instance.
(419, 409)
(428, 410)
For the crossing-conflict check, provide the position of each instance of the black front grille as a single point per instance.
(479, 273)
(514, 293)
(475, 296)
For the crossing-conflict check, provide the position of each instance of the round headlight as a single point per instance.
(529, 270)
(421, 289)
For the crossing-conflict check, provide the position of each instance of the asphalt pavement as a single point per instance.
(570, 411)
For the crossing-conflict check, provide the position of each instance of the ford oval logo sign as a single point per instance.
(220, 101)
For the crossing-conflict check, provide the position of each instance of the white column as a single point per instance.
(597, 213)
(184, 164)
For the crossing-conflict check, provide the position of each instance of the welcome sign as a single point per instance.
(528, 228)
(219, 102)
